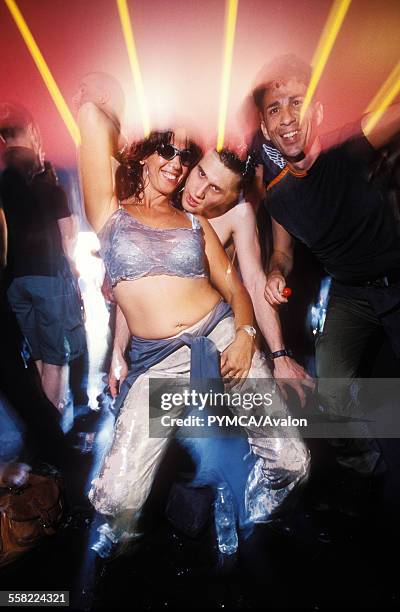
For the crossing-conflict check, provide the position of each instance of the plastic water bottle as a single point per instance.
(225, 520)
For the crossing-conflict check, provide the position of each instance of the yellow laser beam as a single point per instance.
(384, 97)
(230, 26)
(134, 62)
(325, 44)
(44, 70)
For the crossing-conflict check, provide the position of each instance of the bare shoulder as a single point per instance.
(210, 235)
(243, 210)
(243, 217)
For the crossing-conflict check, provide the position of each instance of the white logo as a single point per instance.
(274, 156)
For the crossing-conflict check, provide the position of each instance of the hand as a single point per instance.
(13, 474)
(276, 283)
(288, 372)
(117, 374)
(236, 358)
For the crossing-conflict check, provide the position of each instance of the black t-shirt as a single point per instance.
(345, 219)
(32, 210)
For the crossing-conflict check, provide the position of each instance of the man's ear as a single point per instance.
(264, 128)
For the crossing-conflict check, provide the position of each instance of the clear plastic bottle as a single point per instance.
(225, 520)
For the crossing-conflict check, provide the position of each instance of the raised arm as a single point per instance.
(280, 265)
(387, 126)
(99, 143)
(236, 359)
(249, 258)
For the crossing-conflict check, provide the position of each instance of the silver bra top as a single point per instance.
(132, 250)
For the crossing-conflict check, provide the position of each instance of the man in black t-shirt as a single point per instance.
(324, 198)
(40, 234)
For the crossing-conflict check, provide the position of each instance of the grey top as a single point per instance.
(132, 250)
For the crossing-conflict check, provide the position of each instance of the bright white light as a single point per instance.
(91, 270)
(89, 265)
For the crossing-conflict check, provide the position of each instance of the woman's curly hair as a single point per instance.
(129, 175)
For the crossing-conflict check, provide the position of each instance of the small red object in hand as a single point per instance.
(287, 292)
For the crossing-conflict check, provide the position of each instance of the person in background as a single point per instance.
(41, 234)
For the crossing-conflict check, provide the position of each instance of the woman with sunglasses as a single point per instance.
(186, 310)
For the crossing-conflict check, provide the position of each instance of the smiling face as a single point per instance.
(211, 188)
(164, 176)
(280, 115)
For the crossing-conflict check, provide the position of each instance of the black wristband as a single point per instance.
(281, 353)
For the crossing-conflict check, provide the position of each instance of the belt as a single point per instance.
(390, 278)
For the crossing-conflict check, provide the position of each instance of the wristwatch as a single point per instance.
(281, 353)
(249, 329)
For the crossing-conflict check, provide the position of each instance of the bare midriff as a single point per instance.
(162, 306)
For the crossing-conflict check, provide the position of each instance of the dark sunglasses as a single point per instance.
(168, 152)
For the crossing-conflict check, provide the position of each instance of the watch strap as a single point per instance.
(281, 353)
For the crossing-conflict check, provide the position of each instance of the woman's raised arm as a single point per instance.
(99, 138)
